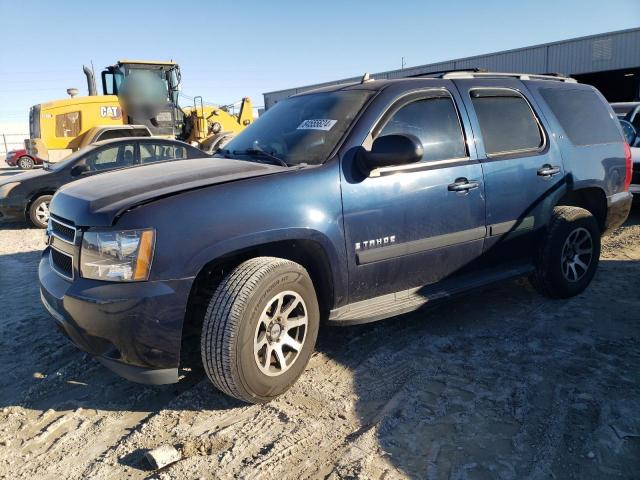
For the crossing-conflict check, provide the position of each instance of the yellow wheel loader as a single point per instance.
(139, 98)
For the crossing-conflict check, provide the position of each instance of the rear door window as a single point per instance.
(435, 121)
(157, 152)
(507, 122)
(583, 116)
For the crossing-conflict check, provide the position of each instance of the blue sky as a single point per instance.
(230, 49)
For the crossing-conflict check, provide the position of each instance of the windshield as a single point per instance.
(56, 167)
(302, 129)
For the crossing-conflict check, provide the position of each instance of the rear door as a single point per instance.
(522, 165)
(413, 225)
(159, 151)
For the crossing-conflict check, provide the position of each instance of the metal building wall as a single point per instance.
(595, 53)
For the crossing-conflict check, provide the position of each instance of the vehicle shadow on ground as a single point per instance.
(502, 383)
(15, 225)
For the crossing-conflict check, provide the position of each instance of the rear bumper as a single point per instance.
(134, 329)
(618, 207)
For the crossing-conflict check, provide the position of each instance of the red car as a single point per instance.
(20, 158)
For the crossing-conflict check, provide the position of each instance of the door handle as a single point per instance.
(548, 171)
(463, 185)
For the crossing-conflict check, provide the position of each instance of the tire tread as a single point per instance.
(222, 321)
(541, 279)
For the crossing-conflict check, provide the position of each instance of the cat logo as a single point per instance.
(113, 113)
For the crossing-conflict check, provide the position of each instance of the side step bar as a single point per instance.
(398, 303)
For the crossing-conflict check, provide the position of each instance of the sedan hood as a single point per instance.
(100, 199)
(21, 177)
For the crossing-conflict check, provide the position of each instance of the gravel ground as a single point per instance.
(499, 384)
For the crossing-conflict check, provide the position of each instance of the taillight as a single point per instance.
(628, 166)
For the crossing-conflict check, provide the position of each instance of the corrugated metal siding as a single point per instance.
(596, 53)
(531, 60)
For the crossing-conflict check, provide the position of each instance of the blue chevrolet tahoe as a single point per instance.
(346, 205)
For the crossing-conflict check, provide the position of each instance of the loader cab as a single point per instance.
(148, 92)
(168, 74)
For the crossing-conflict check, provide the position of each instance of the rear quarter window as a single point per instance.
(582, 115)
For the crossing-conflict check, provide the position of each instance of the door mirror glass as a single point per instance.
(392, 150)
(629, 132)
(79, 169)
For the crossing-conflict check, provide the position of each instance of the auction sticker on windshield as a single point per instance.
(317, 124)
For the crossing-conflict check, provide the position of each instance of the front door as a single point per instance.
(413, 225)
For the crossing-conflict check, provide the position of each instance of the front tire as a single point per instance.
(260, 329)
(39, 211)
(568, 255)
(25, 163)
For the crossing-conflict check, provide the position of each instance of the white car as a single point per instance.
(633, 139)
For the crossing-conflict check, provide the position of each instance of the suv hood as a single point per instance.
(100, 199)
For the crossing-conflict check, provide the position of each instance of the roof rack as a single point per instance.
(522, 76)
(440, 73)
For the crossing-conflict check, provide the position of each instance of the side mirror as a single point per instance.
(79, 169)
(392, 150)
(629, 132)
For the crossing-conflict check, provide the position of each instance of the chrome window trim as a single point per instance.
(75, 231)
(418, 93)
(53, 267)
(521, 151)
(377, 172)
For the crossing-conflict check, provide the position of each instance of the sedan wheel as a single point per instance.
(25, 163)
(39, 211)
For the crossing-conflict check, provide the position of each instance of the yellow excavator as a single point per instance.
(139, 98)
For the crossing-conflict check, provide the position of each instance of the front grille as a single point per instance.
(63, 231)
(61, 263)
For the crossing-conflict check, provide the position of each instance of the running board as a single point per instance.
(392, 304)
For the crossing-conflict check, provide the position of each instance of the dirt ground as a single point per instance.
(498, 384)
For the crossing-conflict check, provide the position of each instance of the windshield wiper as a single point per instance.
(255, 151)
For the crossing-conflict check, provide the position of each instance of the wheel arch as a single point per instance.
(34, 196)
(309, 253)
(592, 199)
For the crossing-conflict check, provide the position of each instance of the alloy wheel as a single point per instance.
(42, 212)
(25, 163)
(577, 254)
(280, 333)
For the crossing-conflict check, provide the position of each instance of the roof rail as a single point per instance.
(440, 73)
(522, 76)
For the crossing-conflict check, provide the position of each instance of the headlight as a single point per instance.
(117, 256)
(6, 188)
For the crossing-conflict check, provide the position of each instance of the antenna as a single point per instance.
(366, 78)
(402, 64)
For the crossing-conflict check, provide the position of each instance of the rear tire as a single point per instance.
(25, 163)
(568, 254)
(39, 211)
(260, 329)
